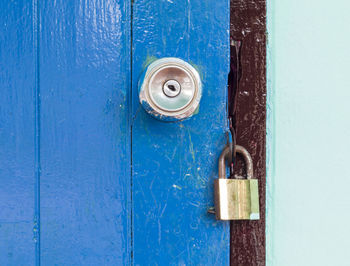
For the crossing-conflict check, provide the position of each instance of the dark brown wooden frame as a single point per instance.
(248, 87)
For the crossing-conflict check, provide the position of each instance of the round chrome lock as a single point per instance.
(170, 89)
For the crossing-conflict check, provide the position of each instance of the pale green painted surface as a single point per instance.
(308, 208)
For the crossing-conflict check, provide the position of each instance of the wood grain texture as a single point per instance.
(248, 24)
(18, 161)
(174, 164)
(85, 132)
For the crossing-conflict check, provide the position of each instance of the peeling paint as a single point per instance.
(187, 150)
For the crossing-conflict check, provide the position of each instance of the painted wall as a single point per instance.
(308, 133)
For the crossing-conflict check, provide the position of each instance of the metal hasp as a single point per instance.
(170, 89)
(238, 198)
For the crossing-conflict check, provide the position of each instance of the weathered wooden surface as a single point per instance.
(174, 164)
(65, 132)
(65, 125)
(18, 131)
(248, 24)
(85, 134)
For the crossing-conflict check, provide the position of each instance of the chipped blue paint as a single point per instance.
(79, 132)
(174, 164)
(66, 116)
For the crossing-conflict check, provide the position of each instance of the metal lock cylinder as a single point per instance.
(170, 89)
(236, 199)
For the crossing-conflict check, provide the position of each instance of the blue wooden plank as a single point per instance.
(174, 164)
(85, 183)
(18, 161)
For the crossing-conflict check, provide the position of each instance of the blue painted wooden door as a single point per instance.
(86, 176)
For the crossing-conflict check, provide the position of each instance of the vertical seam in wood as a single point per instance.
(130, 125)
(37, 165)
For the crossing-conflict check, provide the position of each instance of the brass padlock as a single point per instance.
(236, 199)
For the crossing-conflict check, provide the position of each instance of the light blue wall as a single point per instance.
(308, 208)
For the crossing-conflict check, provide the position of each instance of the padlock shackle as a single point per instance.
(226, 155)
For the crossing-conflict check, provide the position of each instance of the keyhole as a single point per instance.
(171, 88)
